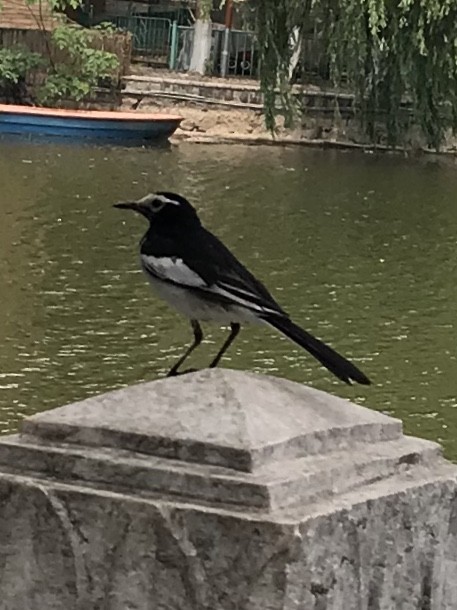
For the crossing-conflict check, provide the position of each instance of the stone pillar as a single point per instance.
(223, 490)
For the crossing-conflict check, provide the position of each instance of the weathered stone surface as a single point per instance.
(285, 483)
(329, 519)
(221, 417)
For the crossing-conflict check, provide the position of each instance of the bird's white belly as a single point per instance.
(195, 308)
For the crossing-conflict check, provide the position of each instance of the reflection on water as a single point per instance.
(360, 249)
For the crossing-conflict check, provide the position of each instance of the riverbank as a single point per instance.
(230, 111)
(209, 125)
(235, 126)
(216, 125)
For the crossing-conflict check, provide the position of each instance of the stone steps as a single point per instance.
(244, 94)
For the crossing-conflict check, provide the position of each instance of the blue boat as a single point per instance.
(128, 127)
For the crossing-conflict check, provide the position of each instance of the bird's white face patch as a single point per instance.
(150, 197)
(172, 269)
(164, 199)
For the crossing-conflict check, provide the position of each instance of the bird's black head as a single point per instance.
(163, 208)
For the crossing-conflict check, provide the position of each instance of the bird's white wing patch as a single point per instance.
(224, 290)
(172, 269)
(241, 291)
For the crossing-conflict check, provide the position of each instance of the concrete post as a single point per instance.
(223, 490)
(225, 52)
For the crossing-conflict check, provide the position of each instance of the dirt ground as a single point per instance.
(219, 124)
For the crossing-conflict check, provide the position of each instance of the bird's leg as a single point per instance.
(198, 337)
(235, 329)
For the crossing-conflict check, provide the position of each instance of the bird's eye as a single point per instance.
(157, 205)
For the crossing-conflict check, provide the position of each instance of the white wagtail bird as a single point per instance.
(195, 273)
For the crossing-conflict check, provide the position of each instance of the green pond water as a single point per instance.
(360, 249)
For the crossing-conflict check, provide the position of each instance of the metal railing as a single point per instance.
(236, 54)
(151, 36)
(182, 49)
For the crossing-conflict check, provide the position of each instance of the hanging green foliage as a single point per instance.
(399, 57)
(203, 9)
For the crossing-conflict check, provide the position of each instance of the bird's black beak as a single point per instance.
(137, 206)
(128, 205)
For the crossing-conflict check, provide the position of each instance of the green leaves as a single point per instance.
(73, 65)
(15, 63)
(60, 86)
(398, 57)
(204, 8)
(83, 68)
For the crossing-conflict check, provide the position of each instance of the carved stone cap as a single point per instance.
(216, 438)
(241, 421)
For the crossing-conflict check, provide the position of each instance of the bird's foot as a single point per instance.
(176, 373)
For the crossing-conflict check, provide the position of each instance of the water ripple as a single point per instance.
(364, 262)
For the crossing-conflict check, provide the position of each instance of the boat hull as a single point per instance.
(128, 126)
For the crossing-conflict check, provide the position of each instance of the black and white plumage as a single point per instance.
(195, 273)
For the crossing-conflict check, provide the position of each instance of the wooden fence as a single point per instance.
(22, 15)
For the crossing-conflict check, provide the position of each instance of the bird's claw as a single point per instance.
(177, 373)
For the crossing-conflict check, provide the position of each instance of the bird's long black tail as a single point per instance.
(335, 363)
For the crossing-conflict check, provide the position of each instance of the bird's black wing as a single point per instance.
(202, 263)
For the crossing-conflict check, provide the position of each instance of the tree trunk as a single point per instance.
(295, 43)
(201, 48)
